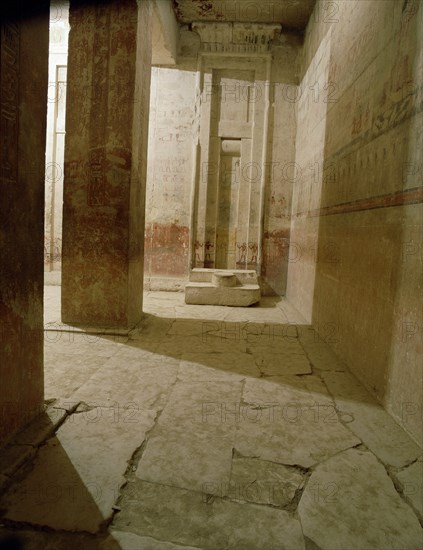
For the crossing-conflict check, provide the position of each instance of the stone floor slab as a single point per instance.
(284, 424)
(130, 384)
(350, 503)
(188, 327)
(261, 482)
(370, 422)
(129, 541)
(42, 427)
(24, 538)
(13, 456)
(211, 406)
(81, 343)
(217, 366)
(215, 313)
(272, 364)
(76, 476)
(276, 339)
(189, 518)
(305, 390)
(187, 459)
(65, 372)
(291, 314)
(153, 328)
(255, 314)
(411, 481)
(321, 355)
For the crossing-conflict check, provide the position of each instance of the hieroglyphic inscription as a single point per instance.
(9, 99)
(96, 192)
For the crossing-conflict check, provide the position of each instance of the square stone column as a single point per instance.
(23, 101)
(108, 93)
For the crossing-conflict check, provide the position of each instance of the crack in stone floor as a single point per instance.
(208, 427)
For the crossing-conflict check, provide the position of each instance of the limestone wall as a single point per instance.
(357, 209)
(169, 169)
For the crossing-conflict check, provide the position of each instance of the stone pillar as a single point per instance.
(109, 64)
(23, 101)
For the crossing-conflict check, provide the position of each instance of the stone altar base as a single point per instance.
(222, 287)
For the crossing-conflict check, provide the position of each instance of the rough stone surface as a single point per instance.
(217, 366)
(162, 512)
(41, 427)
(130, 541)
(187, 459)
(354, 486)
(207, 293)
(193, 424)
(273, 364)
(41, 540)
(76, 476)
(66, 372)
(289, 425)
(128, 384)
(411, 481)
(370, 422)
(13, 456)
(254, 480)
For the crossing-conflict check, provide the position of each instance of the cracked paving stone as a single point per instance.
(350, 503)
(137, 353)
(99, 345)
(75, 478)
(220, 344)
(217, 366)
(276, 339)
(31, 539)
(214, 313)
(188, 327)
(129, 541)
(187, 459)
(272, 364)
(319, 353)
(254, 480)
(256, 315)
(151, 329)
(175, 345)
(190, 518)
(42, 427)
(285, 423)
(13, 456)
(211, 406)
(192, 441)
(369, 421)
(307, 390)
(128, 384)
(66, 372)
(411, 480)
(291, 314)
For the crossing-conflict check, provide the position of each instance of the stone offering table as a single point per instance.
(224, 287)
